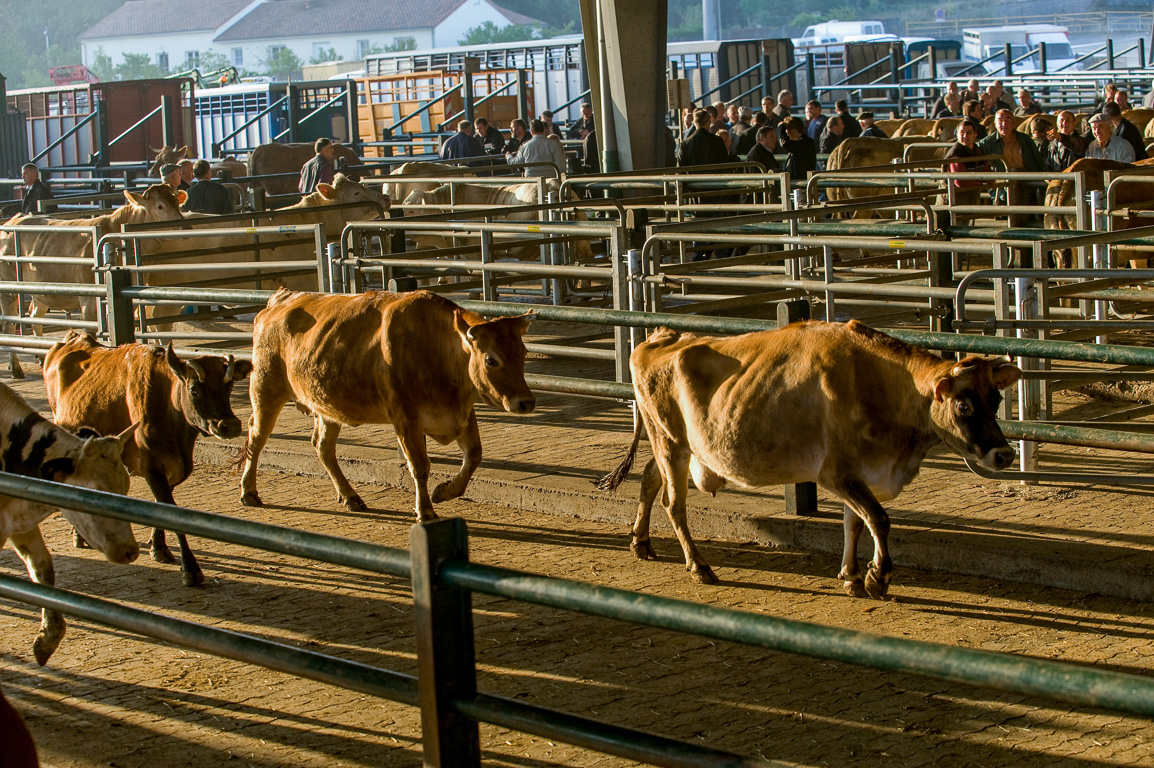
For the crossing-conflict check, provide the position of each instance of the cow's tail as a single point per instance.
(618, 475)
(240, 458)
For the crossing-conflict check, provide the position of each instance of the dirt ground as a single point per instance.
(107, 699)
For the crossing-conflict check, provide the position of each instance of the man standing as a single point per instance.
(539, 148)
(35, 189)
(831, 136)
(1066, 145)
(814, 121)
(966, 191)
(762, 151)
(584, 126)
(186, 175)
(518, 135)
(318, 170)
(801, 153)
(1018, 152)
(1026, 104)
(852, 129)
(702, 147)
(784, 105)
(206, 195)
(170, 173)
(868, 129)
(547, 119)
(748, 137)
(462, 144)
(741, 124)
(1124, 129)
(973, 111)
(940, 104)
(490, 136)
(1106, 145)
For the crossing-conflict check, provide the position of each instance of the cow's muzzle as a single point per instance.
(522, 404)
(998, 458)
(225, 429)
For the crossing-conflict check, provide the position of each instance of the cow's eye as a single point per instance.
(194, 390)
(491, 361)
(963, 408)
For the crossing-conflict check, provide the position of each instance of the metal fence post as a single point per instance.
(800, 498)
(522, 95)
(120, 326)
(329, 271)
(445, 653)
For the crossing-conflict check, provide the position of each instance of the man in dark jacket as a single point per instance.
(868, 129)
(319, 169)
(801, 154)
(1066, 145)
(36, 190)
(852, 129)
(748, 137)
(832, 136)
(762, 151)
(702, 147)
(1125, 129)
(1018, 152)
(462, 144)
(490, 137)
(206, 195)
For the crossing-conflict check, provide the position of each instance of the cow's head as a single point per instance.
(497, 360)
(205, 391)
(964, 409)
(96, 463)
(345, 190)
(159, 202)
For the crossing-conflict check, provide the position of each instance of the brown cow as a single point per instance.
(32, 446)
(1061, 192)
(268, 159)
(175, 401)
(842, 405)
(863, 153)
(915, 126)
(158, 203)
(414, 360)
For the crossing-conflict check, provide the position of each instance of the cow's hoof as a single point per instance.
(162, 554)
(703, 574)
(874, 586)
(250, 499)
(355, 504)
(192, 578)
(43, 647)
(643, 550)
(854, 588)
(441, 493)
(16, 373)
(427, 517)
(78, 541)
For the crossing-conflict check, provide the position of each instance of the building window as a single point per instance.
(238, 57)
(191, 59)
(162, 61)
(274, 50)
(362, 48)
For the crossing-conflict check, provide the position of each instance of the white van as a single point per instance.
(835, 32)
(980, 43)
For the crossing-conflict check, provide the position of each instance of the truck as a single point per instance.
(980, 43)
(837, 32)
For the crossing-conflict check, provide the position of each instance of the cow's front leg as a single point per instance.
(11, 306)
(865, 506)
(190, 573)
(850, 574)
(651, 481)
(412, 441)
(38, 561)
(470, 444)
(325, 434)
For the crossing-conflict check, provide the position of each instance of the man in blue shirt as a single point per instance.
(462, 143)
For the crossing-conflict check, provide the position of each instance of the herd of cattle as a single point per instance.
(845, 406)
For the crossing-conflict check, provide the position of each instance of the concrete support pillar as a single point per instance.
(625, 40)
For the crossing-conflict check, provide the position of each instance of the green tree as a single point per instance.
(102, 65)
(281, 61)
(138, 66)
(329, 55)
(401, 44)
(211, 61)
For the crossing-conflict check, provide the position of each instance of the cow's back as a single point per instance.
(364, 358)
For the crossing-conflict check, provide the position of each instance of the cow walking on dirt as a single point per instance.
(32, 446)
(841, 405)
(414, 360)
(174, 400)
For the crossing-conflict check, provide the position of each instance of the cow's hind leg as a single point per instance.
(675, 469)
(190, 573)
(866, 508)
(470, 444)
(38, 561)
(850, 573)
(10, 304)
(268, 394)
(325, 435)
(651, 482)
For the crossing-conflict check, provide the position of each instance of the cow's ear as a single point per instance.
(463, 328)
(241, 369)
(185, 151)
(943, 388)
(181, 197)
(525, 319)
(133, 198)
(124, 437)
(87, 432)
(327, 191)
(175, 363)
(1006, 375)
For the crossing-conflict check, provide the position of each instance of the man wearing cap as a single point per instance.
(868, 129)
(1124, 129)
(36, 189)
(206, 195)
(1106, 145)
(171, 174)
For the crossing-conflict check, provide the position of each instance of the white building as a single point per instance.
(174, 33)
